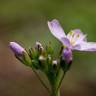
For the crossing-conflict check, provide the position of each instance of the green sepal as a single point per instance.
(34, 54)
(64, 65)
(35, 64)
(49, 49)
(27, 59)
(24, 58)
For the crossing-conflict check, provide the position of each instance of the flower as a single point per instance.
(16, 48)
(74, 40)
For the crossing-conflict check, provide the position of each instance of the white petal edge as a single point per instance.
(56, 29)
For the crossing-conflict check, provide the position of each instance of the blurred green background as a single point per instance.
(25, 21)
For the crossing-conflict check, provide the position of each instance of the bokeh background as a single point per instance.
(25, 21)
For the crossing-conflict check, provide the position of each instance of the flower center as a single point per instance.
(74, 37)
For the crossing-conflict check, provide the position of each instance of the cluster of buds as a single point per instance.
(40, 57)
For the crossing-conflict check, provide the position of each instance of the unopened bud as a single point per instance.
(67, 55)
(39, 47)
(42, 58)
(16, 48)
(20, 53)
(54, 62)
(42, 61)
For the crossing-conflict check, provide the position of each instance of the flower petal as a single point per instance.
(86, 46)
(56, 29)
(66, 43)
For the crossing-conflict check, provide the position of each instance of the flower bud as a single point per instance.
(20, 53)
(42, 63)
(16, 48)
(39, 47)
(66, 55)
(42, 58)
(54, 62)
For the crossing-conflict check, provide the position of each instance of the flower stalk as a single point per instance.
(42, 81)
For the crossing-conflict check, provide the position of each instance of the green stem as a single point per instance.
(54, 93)
(41, 81)
(61, 75)
(60, 82)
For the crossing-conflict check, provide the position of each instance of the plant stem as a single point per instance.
(60, 82)
(54, 93)
(41, 81)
